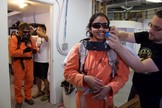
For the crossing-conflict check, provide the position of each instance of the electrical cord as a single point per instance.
(58, 26)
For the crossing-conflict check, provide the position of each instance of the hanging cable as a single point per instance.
(34, 18)
(58, 26)
(34, 25)
(65, 23)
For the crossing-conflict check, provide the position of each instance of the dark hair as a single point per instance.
(42, 26)
(93, 17)
(159, 13)
(23, 26)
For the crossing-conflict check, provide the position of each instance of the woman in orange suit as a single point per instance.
(95, 84)
(21, 49)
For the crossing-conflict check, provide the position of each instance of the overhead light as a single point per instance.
(155, 1)
(23, 4)
(127, 8)
(20, 3)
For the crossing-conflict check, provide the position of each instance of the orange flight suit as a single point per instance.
(100, 70)
(22, 75)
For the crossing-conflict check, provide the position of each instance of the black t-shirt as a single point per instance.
(149, 86)
(149, 49)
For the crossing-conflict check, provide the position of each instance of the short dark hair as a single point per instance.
(42, 26)
(24, 25)
(93, 17)
(159, 13)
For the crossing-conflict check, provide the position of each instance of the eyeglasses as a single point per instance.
(155, 28)
(98, 25)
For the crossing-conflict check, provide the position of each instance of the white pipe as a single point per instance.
(155, 1)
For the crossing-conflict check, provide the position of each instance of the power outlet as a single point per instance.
(64, 46)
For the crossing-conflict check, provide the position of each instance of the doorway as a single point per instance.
(36, 12)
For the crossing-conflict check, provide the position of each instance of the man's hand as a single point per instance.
(33, 31)
(113, 30)
(114, 42)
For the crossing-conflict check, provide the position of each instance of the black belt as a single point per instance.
(21, 60)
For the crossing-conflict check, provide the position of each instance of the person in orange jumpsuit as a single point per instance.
(21, 49)
(97, 77)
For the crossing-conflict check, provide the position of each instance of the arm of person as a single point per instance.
(71, 73)
(116, 83)
(39, 33)
(121, 78)
(126, 36)
(146, 65)
(135, 63)
(19, 51)
(33, 44)
(66, 58)
(42, 35)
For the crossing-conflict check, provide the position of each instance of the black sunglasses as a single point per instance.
(155, 28)
(98, 25)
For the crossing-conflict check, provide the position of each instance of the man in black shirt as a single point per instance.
(147, 78)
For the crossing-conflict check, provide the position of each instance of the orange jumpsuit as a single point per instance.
(100, 70)
(21, 74)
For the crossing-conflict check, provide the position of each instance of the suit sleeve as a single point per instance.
(16, 50)
(71, 72)
(13, 48)
(121, 78)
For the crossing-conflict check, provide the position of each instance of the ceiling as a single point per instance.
(113, 5)
(33, 8)
(120, 5)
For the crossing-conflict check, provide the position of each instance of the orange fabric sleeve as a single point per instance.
(122, 76)
(71, 72)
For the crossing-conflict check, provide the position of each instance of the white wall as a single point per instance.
(79, 12)
(5, 100)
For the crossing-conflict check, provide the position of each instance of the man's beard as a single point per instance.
(152, 38)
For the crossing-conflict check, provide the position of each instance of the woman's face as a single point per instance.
(99, 27)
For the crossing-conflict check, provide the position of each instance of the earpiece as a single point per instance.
(107, 34)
